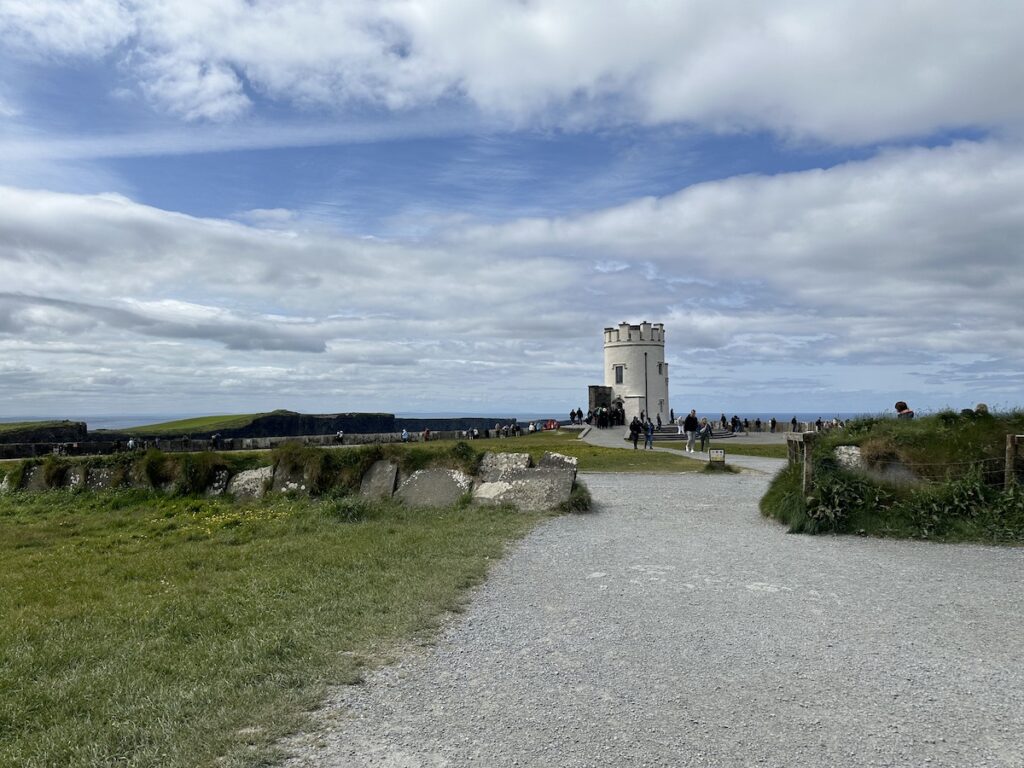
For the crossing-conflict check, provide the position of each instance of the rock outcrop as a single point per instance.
(251, 484)
(529, 490)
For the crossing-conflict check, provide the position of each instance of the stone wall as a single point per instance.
(502, 479)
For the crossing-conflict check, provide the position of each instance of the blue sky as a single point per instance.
(420, 205)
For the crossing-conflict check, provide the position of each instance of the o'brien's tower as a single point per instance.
(635, 371)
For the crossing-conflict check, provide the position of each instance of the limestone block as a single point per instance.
(251, 483)
(494, 465)
(290, 480)
(890, 470)
(99, 478)
(434, 487)
(380, 480)
(75, 477)
(559, 461)
(34, 480)
(529, 490)
(219, 484)
(849, 457)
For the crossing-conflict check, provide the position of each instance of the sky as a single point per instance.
(414, 206)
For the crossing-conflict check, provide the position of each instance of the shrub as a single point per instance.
(16, 473)
(579, 499)
(54, 471)
(155, 468)
(196, 471)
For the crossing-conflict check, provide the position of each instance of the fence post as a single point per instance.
(808, 462)
(1010, 473)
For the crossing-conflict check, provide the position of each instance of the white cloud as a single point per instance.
(843, 71)
(903, 265)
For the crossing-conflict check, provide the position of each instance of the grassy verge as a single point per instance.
(151, 631)
(958, 495)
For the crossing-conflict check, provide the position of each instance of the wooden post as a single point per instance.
(808, 461)
(1010, 473)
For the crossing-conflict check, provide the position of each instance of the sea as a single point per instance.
(124, 421)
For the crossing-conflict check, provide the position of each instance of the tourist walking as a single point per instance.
(634, 431)
(649, 435)
(704, 432)
(690, 425)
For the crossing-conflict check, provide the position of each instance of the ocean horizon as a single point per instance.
(124, 421)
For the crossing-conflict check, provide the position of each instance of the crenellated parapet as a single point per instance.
(650, 333)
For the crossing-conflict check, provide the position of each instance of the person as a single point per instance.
(773, 423)
(649, 435)
(405, 435)
(903, 411)
(792, 423)
(817, 425)
(659, 421)
(725, 423)
(705, 432)
(671, 416)
(634, 431)
(426, 434)
(690, 425)
(341, 437)
(757, 424)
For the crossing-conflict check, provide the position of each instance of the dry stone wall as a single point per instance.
(502, 479)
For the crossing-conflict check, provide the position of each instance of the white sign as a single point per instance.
(717, 455)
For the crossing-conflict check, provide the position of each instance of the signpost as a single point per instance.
(716, 455)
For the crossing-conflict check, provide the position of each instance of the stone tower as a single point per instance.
(635, 369)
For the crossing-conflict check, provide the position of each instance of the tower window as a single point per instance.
(618, 373)
(659, 369)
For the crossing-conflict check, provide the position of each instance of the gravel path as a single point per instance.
(675, 627)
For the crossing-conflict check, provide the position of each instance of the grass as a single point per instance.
(18, 426)
(958, 460)
(592, 458)
(142, 630)
(201, 424)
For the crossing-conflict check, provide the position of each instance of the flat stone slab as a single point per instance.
(251, 483)
(434, 487)
(552, 460)
(380, 480)
(494, 465)
(529, 490)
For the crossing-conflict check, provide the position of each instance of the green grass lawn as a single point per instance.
(200, 424)
(137, 630)
(592, 458)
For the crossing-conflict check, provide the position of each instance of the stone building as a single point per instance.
(635, 371)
